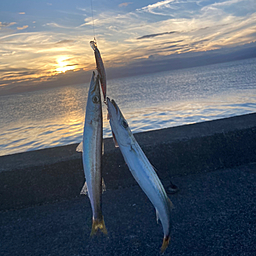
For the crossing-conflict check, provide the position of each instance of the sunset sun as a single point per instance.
(63, 64)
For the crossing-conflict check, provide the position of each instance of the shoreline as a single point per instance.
(51, 174)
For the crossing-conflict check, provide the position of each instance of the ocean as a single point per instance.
(55, 117)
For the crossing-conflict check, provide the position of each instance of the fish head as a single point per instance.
(94, 90)
(94, 98)
(93, 45)
(120, 128)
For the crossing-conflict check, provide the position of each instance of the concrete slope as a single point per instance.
(56, 173)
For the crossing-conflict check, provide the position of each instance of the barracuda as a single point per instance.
(100, 68)
(141, 168)
(92, 153)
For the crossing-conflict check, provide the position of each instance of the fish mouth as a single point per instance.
(113, 103)
(95, 81)
(93, 45)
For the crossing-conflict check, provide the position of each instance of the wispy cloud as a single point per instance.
(21, 13)
(6, 24)
(158, 7)
(56, 25)
(154, 35)
(125, 4)
(224, 3)
(65, 41)
(124, 35)
(82, 9)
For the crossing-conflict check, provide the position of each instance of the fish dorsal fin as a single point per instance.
(114, 138)
(79, 148)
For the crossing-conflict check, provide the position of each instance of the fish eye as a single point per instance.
(124, 124)
(95, 99)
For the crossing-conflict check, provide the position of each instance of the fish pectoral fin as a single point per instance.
(115, 141)
(84, 190)
(98, 225)
(157, 216)
(79, 148)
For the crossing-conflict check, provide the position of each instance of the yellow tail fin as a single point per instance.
(98, 225)
(165, 244)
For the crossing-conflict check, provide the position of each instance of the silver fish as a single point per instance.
(141, 168)
(100, 68)
(92, 153)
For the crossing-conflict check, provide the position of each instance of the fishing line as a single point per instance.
(93, 22)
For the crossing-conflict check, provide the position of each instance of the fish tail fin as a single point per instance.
(165, 244)
(98, 225)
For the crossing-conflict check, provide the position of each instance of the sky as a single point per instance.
(46, 43)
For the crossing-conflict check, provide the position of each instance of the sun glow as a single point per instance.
(63, 64)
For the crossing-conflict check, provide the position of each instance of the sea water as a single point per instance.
(55, 117)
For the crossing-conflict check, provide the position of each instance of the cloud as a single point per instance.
(55, 25)
(126, 37)
(6, 24)
(225, 3)
(21, 28)
(152, 8)
(22, 13)
(154, 35)
(157, 5)
(39, 52)
(82, 9)
(172, 46)
(65, 41)
(125, 4)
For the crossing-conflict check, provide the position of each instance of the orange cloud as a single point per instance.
(21, 12)
(21, 28)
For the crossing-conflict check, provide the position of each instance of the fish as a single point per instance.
(141, 169)
(100, 68)
(92, 154)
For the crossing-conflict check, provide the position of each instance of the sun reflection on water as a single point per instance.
(55, 117)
